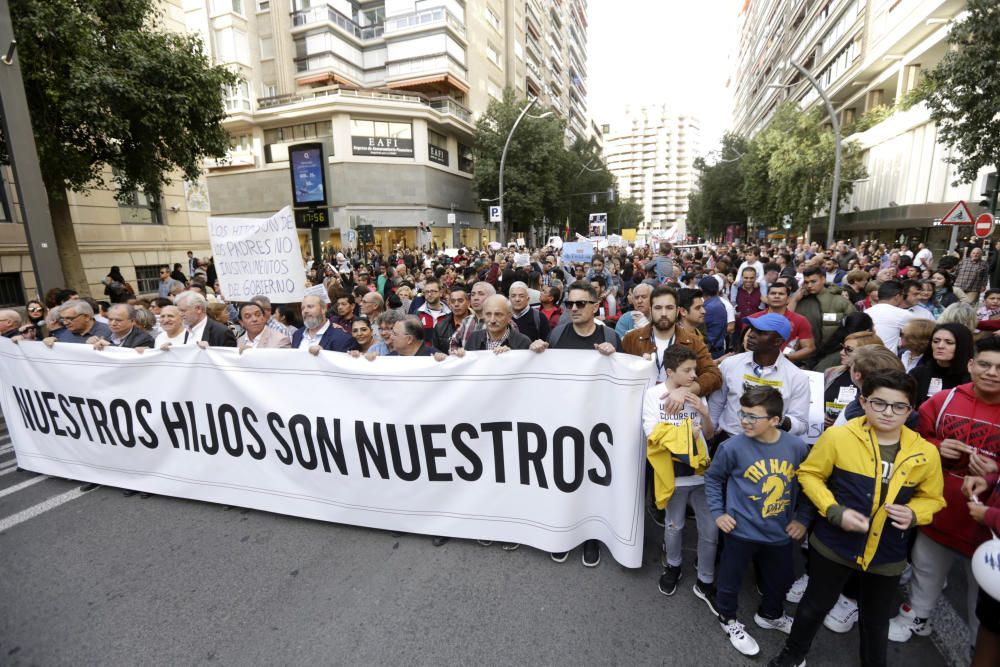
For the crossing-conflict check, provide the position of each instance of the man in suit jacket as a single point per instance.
(257, 333)
(497, 333)
(316, 332)
(193, 307)
(124, 331)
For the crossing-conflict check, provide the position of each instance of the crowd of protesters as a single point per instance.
(901, 485)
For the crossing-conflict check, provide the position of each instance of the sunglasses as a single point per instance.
(573, 305)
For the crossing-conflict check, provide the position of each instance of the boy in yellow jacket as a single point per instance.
(873, 480)
(679, 455)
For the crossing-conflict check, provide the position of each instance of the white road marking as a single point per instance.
(32, 512)
(6, 448)
(23, 485)
(8, 468)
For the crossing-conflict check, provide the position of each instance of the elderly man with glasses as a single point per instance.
(79, 324)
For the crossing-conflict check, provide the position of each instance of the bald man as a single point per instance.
(497, 334)
(10, 322)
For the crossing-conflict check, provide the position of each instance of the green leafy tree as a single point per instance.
(788, 169)
(106, 87)
(963, 90)
(536, 159)
(585, 184)
(718, 198)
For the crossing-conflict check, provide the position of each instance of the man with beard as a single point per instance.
(317, 333)
(458, 302)
(652, 340)
(691, 311)
(497, 334)
(432, 310)
(343, 311)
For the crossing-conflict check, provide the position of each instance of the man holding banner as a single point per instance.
(200, 326)
(317, 333)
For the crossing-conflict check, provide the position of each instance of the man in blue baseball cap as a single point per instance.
(762, 365)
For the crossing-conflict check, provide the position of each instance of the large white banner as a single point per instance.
(258, 256)
(539, 449)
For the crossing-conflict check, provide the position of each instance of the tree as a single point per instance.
(963, 90)
(535, 160)
(107, 88)
(788, 167)
(718, 198)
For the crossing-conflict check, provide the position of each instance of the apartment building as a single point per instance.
(867, 55)
(651, 151)
(392, 89)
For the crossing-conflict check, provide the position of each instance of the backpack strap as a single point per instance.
(556, 334)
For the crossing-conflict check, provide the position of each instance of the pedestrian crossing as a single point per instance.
(24, 494)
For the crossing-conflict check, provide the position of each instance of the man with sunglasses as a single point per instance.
(964, 424)
(581, 333)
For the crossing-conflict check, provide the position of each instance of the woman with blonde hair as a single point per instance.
(838, 387)
(962, 313)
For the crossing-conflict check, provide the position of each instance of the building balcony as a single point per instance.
(432, 72)
(430, 18)
(448, 106)
(327, 14)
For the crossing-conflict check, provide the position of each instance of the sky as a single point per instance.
(645, 52)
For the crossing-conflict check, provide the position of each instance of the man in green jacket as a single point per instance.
(823, 306)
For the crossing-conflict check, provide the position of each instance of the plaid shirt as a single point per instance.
(971, 277)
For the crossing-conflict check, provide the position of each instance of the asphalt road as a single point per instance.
(99, 579)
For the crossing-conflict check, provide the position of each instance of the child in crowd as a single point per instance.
(685, 464)
(752, 493)
(869, 510)
(990, 310)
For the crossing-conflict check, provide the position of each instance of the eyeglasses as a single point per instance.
(747, 417)
(70, 319)
(878, 405)
(573, 305)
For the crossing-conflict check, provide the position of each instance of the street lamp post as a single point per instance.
(835, 186)
(502, 228)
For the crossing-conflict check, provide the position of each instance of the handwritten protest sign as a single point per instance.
(578, 252)
(258, 256)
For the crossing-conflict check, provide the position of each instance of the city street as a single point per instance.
(104, 579)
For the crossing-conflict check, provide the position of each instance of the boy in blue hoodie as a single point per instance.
(752, 493)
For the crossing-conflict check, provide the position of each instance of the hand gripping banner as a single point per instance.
(538, 449)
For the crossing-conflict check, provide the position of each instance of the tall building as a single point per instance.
(867, 55)
(651, 152)
(392, 89)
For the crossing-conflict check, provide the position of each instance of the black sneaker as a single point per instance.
(559, 556)
(787, 659)
(669, 579)
(656, 515)
(591, 553)
(706, 592)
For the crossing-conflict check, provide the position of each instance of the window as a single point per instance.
(492, 18)
(263, 5)
(381, 138)
(518, 50)
(5, 212)
(11, 290)
(240, 142)
(147, 278)
(238, 97)
(231, 45)
(465, 162)
(135, 208)
(220, 6)
(269, 89)
(267, 47)
(494, 55)
(276, 139)
(437, 147)
(493, 90)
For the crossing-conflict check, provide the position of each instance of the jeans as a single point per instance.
(875, 606)
(931, 562)
(708, 533)
(774, 567)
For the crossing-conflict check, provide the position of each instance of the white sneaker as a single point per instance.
(738, 637)
(798, 589)
(905, 624)
(843, 616)
(783, 624)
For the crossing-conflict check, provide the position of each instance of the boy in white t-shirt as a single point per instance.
(680, 363)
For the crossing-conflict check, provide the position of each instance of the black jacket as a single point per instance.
(443, 331)
(137, 338)
(534, 325)
(217, 334)
(515, 341)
